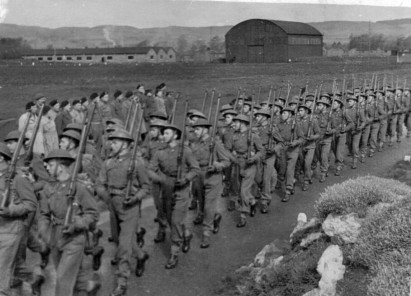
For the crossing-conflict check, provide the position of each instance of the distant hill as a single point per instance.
(107, 36)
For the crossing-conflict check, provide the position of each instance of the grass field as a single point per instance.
(20, 81)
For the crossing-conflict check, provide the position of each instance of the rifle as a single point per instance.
(173, 111)
(304, 91)
(294, 122)
(402, 94)
(128, 117)
(11, 171)
(331, 109)
(394, 109)
(211, 103)
(269, 96)
(343, 98)
(310, 122)
(213, 134)
(250, 133)
(71, 195)
(132, 163)
(30, 154)
(236, 99)
(204, 100)
(181, 148)
(288, 94)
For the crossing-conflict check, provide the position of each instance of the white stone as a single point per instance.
(302, 226)
(305, 242)
(331, 269)
(268, 252)
(345, 227)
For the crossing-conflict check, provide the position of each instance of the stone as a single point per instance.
(309, 239)
(331, 269)
(269, 269)
(345, 227)
(304, 228)
(301, 220)
(266, 254)
(245, 268)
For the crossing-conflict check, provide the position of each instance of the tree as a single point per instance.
(216, 44)
(182, 45)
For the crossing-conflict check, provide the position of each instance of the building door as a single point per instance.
(255, 54)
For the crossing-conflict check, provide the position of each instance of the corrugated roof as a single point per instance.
(290, 28)
(93, 51)
(296, 28)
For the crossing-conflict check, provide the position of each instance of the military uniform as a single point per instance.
(365, 134)
(175, 199)
(358, 118)
(208, 184)
(382, 133)
(67, 247)
(114, 178)
(23, 202)
(377, 115)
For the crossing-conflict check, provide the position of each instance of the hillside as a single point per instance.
(105, 36)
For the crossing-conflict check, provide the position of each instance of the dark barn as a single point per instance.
(268, 41)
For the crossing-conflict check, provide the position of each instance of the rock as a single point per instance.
(245, 269)
(269, 269)
(346, 227)
(305, 242)
(331, 269)
(303, 229)
(301, 220)
(269, 252)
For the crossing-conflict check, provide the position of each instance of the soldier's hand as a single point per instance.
(211, 169)
(181, 182)
(5, 212)
(69, 229)
(294, 143)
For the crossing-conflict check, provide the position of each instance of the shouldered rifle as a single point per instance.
(310, 122)
(204, 100)
(129, 111)
(71, 194)
(236, 99)
(213, 134)
(132, 163)
(250, 133)
(270, 136)
(402, 94)
(211, 104)
(30, 154)
(289, 86)
(11, 171)
(269, 96)
(331, 112)
(395, 96)
(343, 98)
(294, 122)
(172, 117)
(181, 148)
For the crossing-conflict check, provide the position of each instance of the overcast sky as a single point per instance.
(162, 13)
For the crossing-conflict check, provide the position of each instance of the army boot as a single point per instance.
(161, 235)
(216, 223)
(140, 267)
(354, 164)
(171, 262)
(140, 237)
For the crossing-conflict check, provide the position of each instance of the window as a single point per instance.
(69, 58)
(152, 57)
(304, 41)
(88, 58)
(109, 57)
(40, 58)
(49, 58)
(79, 58)
(59, 58)
(170, 56)
(130, 57)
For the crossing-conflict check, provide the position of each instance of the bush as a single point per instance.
(390, 280)
(357, 195)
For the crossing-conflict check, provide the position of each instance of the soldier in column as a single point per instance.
(311, 133)
(401, 113)
(382, 133)
(208, 184)
(407, 107)
(22, 202)
(292, 135)
(356, 114)
(377, 114)
(245, 168)
(113, 181)
(68, 241)
(324, 144)
(393, 114)
(164, 167)
(365, 103)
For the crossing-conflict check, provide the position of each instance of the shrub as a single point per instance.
(357, 195)
(390, 280)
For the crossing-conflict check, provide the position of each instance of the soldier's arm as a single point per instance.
(222, 156)
(259, 148)
(101, 183)
(89, 210)
(44, 218)
(315, 130)
(381, 112)
(193, 168)
(350, 122)
(362, 119)
(142, 179)
(28, 200)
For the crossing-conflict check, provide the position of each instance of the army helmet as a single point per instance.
(13, 136)
(174, 128)
(72, 134)
(121, 135)
(4, 150)
(74, 126)
(263, 112)
(202, 123)
(116, 121)
(243, 118)
(58, 154)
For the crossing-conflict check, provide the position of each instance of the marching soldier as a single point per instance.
(365, 102)
(377, 114)
(400, 111)
(175, 193)
(292, 135)
(407, 107)
(208, 184)
(311, 133)
(357, 116)
(67, 242)
(246, 168)
(393, 116)
(112, 183)
(23, 202)
(382, 133)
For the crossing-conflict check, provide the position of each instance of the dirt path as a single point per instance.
(200, 271)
